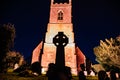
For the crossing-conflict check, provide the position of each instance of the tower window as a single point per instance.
(60, 15)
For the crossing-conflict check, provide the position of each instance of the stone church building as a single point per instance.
(60, 20)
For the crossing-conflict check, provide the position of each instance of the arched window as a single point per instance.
(60, 15)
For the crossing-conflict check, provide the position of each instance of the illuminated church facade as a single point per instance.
(60, 21)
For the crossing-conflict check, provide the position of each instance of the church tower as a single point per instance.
(60, 21)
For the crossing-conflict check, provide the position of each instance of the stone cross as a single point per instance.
(60, 41)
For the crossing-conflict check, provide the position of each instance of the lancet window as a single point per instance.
(60, 15)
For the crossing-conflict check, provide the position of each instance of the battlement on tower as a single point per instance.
(60, 5)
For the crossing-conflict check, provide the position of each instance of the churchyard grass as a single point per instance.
(14, 76)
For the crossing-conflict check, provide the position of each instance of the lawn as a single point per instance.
(14, 76)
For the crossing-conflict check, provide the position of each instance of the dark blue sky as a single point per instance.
(93, 20)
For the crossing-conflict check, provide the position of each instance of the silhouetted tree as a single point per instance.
(7, 35)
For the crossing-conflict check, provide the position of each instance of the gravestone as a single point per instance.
(60, 41)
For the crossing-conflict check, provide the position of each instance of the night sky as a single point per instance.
(93, 20)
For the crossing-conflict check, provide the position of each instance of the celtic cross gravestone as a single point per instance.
(60, 41)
